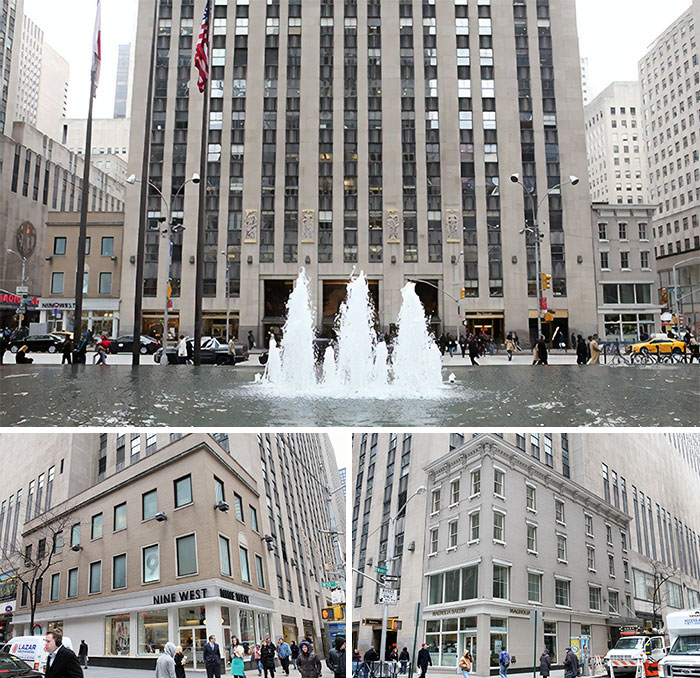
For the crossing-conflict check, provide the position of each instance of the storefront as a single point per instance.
(132, 630)
(10, 305)
(487, 323)
(99, 315)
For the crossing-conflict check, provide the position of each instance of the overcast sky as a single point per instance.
(614, 35)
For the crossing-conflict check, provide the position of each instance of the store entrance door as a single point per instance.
(192, 641)
(468, 642)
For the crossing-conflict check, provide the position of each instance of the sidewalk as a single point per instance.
(105, 672)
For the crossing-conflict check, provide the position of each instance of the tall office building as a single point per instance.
(595, 530)
(615, 146)
(376, 135)
(584, 80)
(123, 87)
(10, 41)
(669, 74)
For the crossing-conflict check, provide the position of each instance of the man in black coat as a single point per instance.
(423, 660)
(545, 663)
(83, 654)
(570, 664)
(268, 651)
(61, 662)
(336, 658)
(542, 351)
(212, 658)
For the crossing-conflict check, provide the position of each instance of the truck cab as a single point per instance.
(630, 648)
(683, 658)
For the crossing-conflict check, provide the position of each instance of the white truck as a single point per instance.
(630, 649)
(683, 658)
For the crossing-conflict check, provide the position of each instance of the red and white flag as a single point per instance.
(201, 53)
(97, 50)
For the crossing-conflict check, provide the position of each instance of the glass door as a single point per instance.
(468, 642)
(192, 642)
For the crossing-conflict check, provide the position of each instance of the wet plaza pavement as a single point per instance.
(184, 396)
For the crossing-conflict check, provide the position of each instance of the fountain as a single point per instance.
(362, 366)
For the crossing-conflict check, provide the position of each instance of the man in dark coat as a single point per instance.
(473, 350)
(61, 662)
(423, 660)
(83, 654)
(581, 351)
(545, 663)
(212, 658)
(268, 652)
(542, 351)
(570, 664)
(336, 657)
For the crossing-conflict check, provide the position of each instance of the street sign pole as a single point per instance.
(415, 639)
(534, 649)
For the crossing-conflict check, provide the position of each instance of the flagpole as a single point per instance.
(141, 238)
(199, 258)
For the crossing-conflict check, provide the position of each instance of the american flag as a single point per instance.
(201, 53)
(97, 49)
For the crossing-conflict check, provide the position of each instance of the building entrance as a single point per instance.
(428, 292)
(192, 641)
(390, 641)
(467, 641)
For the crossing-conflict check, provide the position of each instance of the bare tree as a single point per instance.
(659, 594)
(28, 558)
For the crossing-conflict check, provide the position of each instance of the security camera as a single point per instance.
(222, 506)
(160, 516)
(515, 177)
(76, 548)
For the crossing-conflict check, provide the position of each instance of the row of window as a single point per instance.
(58, 279)
(625, 264)
(106, 250)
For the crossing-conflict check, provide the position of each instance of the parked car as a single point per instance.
(125, 343)
(14, 666)
(320, 346)
(38, 342)
(656, 345)
(212, 352)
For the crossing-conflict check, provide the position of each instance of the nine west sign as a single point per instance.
(180, 596)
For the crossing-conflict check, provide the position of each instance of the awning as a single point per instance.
(484, 315)
(561, 313)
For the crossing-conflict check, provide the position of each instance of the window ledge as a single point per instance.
(592, 570)
(531, 510)
(451, 548)
(431, 555)
(475, 496)
(453, 505)
(434, 513)
(531, 552)
(563, 562)
(562, 607)
(499, 542)
(590, 535)
(499, 496)
(472, 542)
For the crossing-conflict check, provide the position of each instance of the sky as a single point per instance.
(613, 34)
(340, 439)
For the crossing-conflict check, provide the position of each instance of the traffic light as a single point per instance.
(333, 613)
(393, 625)
(546, 280)
(663, 294)
(462, 293)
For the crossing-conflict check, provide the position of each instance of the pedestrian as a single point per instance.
(503, 663)
(67, 351)
(83, 654)
(236, 656)
(267, 657)
(595, 351)
(463, 345)
(165, 666)
(404, 658)
(21, 357)
(308, 663)
(3, 347)
(251, 340)
(424, 660)
(284, 652)
(356, 663)
(694, 349)
(574, 343)
(588, 348)
(61, 661)
(181, 350)
(212, 658)
(473, 350)
(570, 664)
(465, 663)
(542, 351)
(442, 344)
(510, 347)
(295, 653)
(393, 654)
(516, 341)
(336, 658)
(180, 659)
(232, 349)
(451, 345)
(581, 351)
(369, 658)
(546, 659)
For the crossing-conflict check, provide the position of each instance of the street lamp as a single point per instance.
(389, 566)
(534, 229)
(675, 290)
(228, 297)
(458, 281)
(23, 259)
(173, 226)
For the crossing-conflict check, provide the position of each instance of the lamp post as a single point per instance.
(389, 566)
(23, 259)
(228, 296)
(675, 290)
(455, 261)
(171, 228)
(534, 229)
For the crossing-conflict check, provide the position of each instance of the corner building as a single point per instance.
(376, 135)
(515, 523)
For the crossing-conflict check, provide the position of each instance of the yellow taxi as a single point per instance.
(658, 345)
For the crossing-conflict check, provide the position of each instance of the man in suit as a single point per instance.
(212, 658)
(61, 662)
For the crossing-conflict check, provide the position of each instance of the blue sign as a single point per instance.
(8, 608)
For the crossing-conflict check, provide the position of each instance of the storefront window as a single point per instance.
(192, 616)
(499, 638)
(225, 616)
(550, 637)
(247, 630)
(442, 638)
(153, 631)
(117, 640)
(264, 625)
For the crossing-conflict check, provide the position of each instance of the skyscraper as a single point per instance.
(369, 135)
(121, 92)
(10, 41)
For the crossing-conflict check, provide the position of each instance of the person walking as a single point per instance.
(473, 350)
(581, 351)
(570, 664)
(67, 351)
(423, 660)
(83, 654)
(180, 659)
(182, 350)
(463, 345)
(465, 663)
(61, 662)
(370, 657)
(284, 652)
(336, 658)
(237, 658)
(308, 663)
(451, 345)
(503, 663)
(267, 657)
(694, 349)
(510, 346)
(595, 351)
(404, 658)
(165, 666)
(546, 659)
(542, 351)
(295, 653)
(212, 658)
(251, 340)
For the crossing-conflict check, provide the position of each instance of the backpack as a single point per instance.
(505, 659)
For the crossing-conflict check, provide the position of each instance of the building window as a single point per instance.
(59, 245)
(150, 443)
(150, 563)
(72, 583)
(602, 231)
(107, 247)
(591, 558)
(254, 518)
(498, 638)
(119, 571)
(75, 535)
(454, 492)
(149, 504)
(120, 517)
(561, 548)
(532, 538)
(644, 259)
(259, 571)
(105, 283)
(548, 457)
(535, 445)
(225, 555)
(499, 483)
(245, 570)
(435, 501)
(624, 260)
(476, 482)
(623, 540)
(238, 506)
(559, 513)
(434, 540)
(608, 534)
(183, 491)
(626, 570)
(55, 586)
(452, 534)
(500, 581)
(219, 495)
(623, 230)
(474, 526)
(186, 550)
(611, 565)
(674, 595)
(531, 498)
(57, 283)
(614, 604)
(534, 587)
(152, 631)
(605, 260)
(588, 522)
(561, 592)
(499, 527)
(594, 598)
(95, 584)
(135, 447)
(96, 527)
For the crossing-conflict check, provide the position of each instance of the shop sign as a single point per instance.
(518, 610)
(48, 305)
(232, 595)
(16, 299)
(180, 596)
(452, 610)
